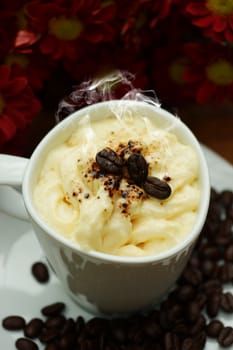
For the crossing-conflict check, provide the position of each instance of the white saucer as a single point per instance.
(21, 294)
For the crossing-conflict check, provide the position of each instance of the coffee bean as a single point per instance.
(49, 334)
(214, 328)
(137, 168)
(13, 323)
(55, 321)
(213, 304)
(226, 198)
(156, 187)
(192, 311)
(192, 276)
(225, 337)
(225, 272)
(226, 302)
(228, 255)
(171, 341)
(198, 326)
(185, 293)
(40, 272)
(53, 309)
(25, 344)
(187, 344)
(209, 268)
(52, 346)
(33, 328)
(109, 162)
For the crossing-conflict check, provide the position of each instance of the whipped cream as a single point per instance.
(112, 215)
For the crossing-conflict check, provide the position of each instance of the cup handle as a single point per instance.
(11, 177)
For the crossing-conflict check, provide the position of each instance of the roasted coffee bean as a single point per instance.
(79, 324)
(225, 337)
(210, 252)
(52, 346)
(49, 334)
(225, 272)
(187, 344)
(153, 330)
(212, 286)
(209, 268)
(68, 327)
(33, 328)
(213, 304)
(109, 162)
(171, 341)
(66, 341)
(40, 272)
(214, 328)
(55, 321)
(25, 344)
(53, 309)
(198, 326)
(185, 293)
(192, 276)
(228, 254)
(226, 302)
(201, 299)
(156, 187)
(226, 198)
(13, 323)
(199, 341)
(137, 168)
(192, 311)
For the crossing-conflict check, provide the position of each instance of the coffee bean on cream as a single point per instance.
(110, 211)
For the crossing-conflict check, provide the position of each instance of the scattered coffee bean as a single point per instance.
(226, 302)
(214, 328)
(33, 328)
(225, 337)
(137, 168)
(13, 323)
(53, 309)
(109, 162)
(156, 187)
(228, 254)
(25, 344)
(40, 272)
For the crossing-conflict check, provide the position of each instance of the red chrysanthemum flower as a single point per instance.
(64, 25)
(138, 19)
(215, 17)
(18, 104)
(36, 67)
(209, 72)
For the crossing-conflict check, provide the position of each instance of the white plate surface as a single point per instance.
(20, 294)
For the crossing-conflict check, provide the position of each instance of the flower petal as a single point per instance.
(4, 74)
(203, 22)
(7, 128)
(15, 86)
(197, 9)
(229, 35)
(219, 24)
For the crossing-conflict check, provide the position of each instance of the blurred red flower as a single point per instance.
(215, 17)
(209, 72)
(18, 105)
(64, 25)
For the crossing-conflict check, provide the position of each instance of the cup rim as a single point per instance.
(105, 257)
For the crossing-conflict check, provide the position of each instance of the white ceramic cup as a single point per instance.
(99, 282)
